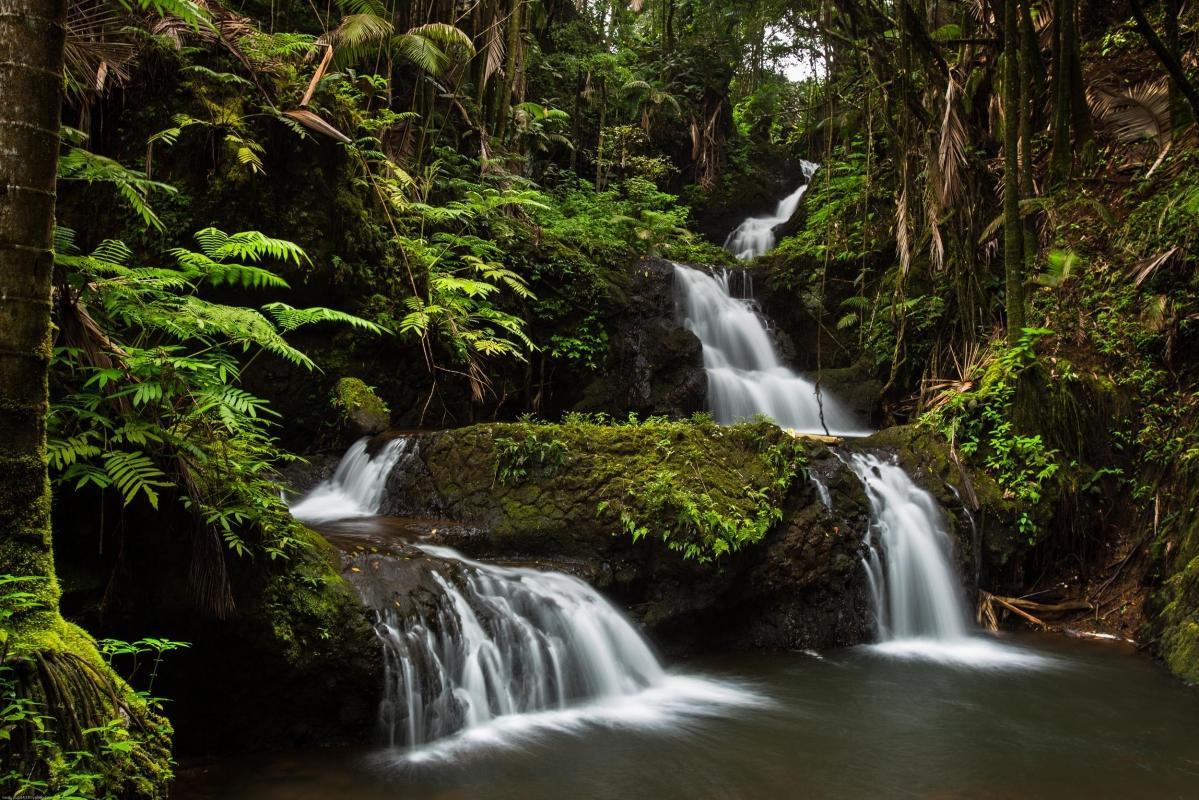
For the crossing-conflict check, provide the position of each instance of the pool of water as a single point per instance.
(1060, 719)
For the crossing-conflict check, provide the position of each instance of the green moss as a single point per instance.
(703, 489)
(100, 737)
(310, 608)
(351, 395)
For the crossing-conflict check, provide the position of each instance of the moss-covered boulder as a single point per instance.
(1173, 608)
(292, 660)
(360, 411)
(298, 665)
(710, 535)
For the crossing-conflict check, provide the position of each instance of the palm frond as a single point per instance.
(1137, 113)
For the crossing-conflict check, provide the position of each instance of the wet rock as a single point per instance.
(654, 366)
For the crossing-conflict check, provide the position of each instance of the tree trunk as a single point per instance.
(1013, 238)
(1031, 61)
(1028, 100)
(1080, 109)
(1062, 158)
(1180, 112)
(503, 104)
(52, 663)
(31, 38)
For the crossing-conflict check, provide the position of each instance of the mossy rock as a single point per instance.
(559, 494)
(296, 662)
(298, 666)
(360, 411)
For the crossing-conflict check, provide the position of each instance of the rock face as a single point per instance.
(801, 586)
(654, 366)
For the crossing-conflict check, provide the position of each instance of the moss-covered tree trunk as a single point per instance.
(1013, 233)
(55, 665)
(1028, 101)
(31, 68)
(503, 104)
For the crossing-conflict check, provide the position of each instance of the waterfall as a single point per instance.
(745, 376)
(357, 486)
(919, 596)
(918, 599)
(502, 641)
(755, 235)
(478, 653)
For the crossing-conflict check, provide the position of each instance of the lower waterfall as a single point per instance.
(503, 641)
(918, 599)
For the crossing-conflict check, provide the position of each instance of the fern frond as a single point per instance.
(289, 319)
(134, 473)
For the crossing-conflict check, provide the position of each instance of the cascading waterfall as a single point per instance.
(919, 601)
(755, 235)
(356, 488)
(505, 641)
(496, 652)
(745, 375)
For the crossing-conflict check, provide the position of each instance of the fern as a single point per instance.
(133, 474)
(134, 187)
(192, 13)
(289, 319)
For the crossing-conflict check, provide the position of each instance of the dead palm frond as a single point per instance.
(1136, 113)
(493, 52)
(959, 371)
(99, 49)
(951, 149)
(1143, 269)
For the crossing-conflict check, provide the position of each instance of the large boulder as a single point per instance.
(360, 411)
(566, 505)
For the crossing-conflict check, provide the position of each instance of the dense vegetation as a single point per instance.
(235, 231)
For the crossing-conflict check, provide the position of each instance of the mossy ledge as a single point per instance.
(710, 536)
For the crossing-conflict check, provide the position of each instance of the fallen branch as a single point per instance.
(1022, 607)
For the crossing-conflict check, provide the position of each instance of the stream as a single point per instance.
(516, 682)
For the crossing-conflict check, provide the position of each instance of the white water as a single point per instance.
(357, 486)
(755, 235)
(920, 605)
(511, 652)
(822, 489)
(745, 375)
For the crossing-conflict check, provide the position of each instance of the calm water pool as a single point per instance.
(1069, 719)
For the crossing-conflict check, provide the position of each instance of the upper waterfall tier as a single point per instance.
(755, 235)
(745, 375)
(357, 486)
